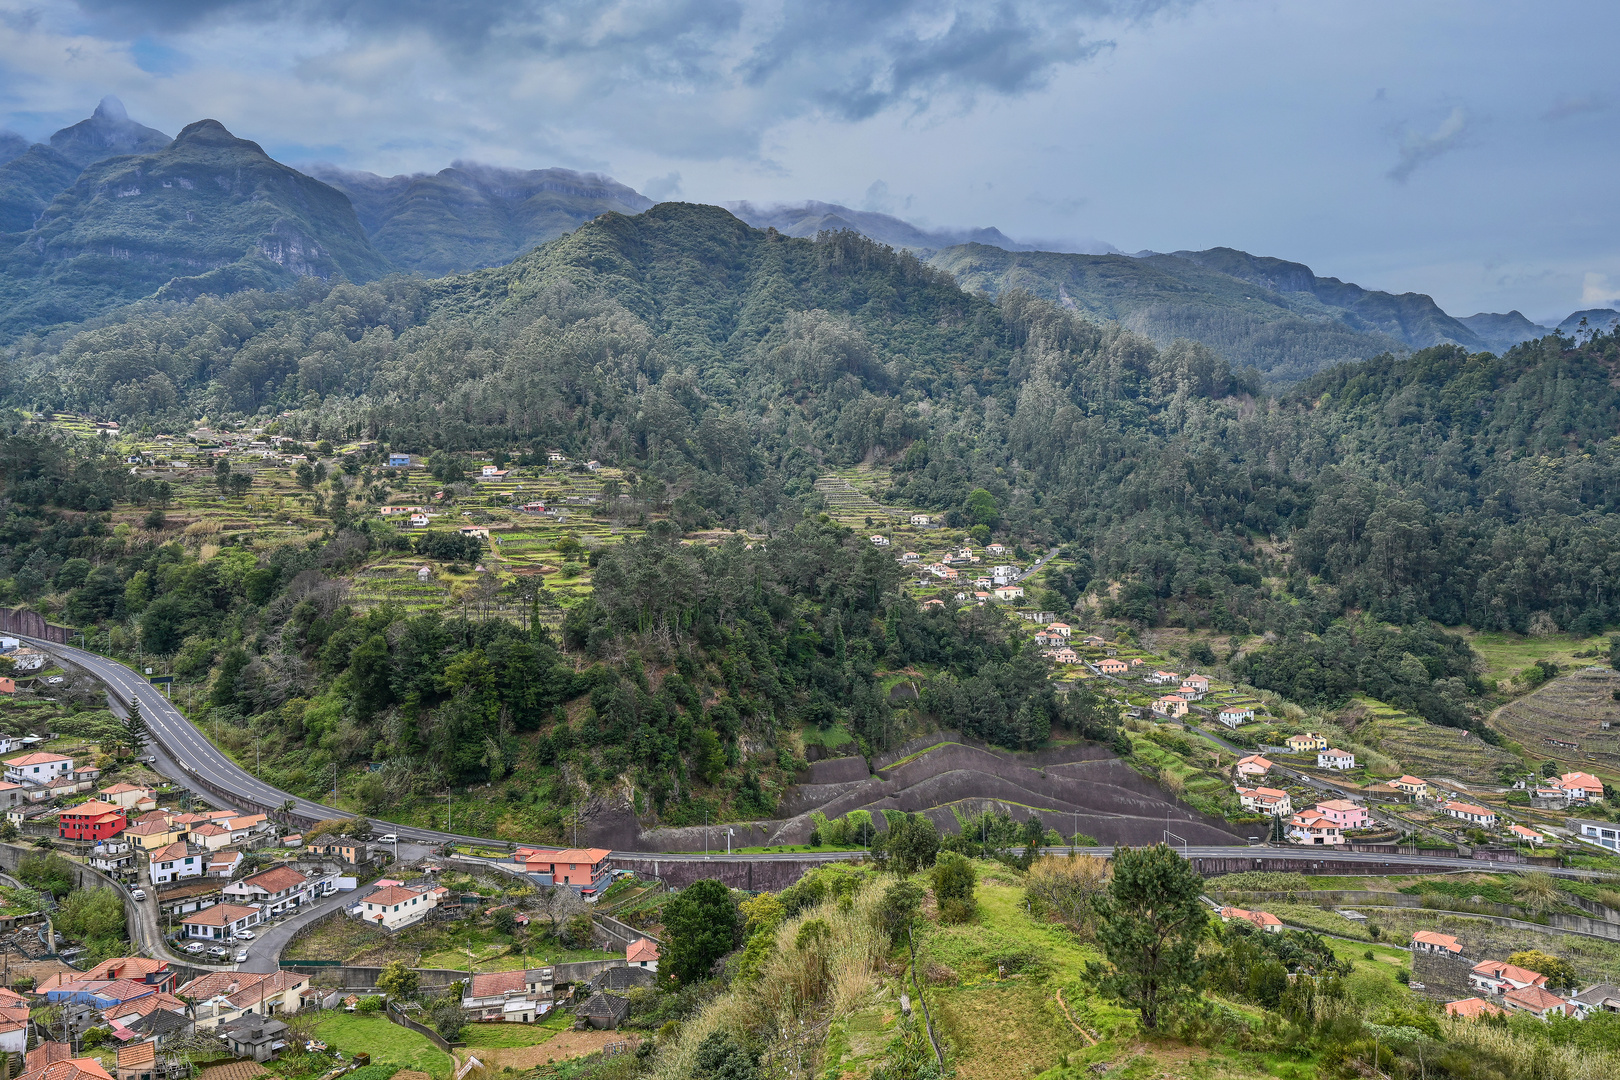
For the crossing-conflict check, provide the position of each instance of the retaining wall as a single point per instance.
(24, 623)
(754, 875)
(1504, 913)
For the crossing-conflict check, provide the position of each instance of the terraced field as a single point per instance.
(852, 506)
(1574, 719)
(1425, 749)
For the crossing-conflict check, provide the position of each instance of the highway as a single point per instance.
(188, 757)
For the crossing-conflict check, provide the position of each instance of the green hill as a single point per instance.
(28, 183)
(1277, 317)
(108, 132)
(207, 213)
(470, 215)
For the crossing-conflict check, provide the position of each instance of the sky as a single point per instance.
(1465, 150)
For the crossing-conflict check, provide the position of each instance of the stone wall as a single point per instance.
(753, 874)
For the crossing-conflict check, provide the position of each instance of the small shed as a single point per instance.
(603, 1011)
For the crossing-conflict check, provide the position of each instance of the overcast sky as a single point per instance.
(1467, 150)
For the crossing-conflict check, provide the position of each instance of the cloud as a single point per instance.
(880, 200)
(1417, 148)
(1566, 107)
(1596, 290)
(693, 78)
(662, 188)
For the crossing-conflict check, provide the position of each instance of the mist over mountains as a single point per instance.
(109, 211)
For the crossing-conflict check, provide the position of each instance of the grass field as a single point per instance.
(1425, 749)
(1570, 709)
(1506, 655)
(386, 1042)
(506, 1036)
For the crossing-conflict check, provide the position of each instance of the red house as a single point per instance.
(94, 820)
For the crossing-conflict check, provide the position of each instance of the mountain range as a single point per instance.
(110, 211)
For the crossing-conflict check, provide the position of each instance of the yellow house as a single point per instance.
(1302, 744)
(1415, 786)
(154, 833)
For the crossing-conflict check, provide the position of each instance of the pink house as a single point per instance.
(1343, 813)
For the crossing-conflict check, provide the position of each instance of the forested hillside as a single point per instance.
(724, 370)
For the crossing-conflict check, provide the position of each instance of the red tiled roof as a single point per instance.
(37, 759)
(137, 1055)
(276, 879)
(1535, 998)
(124, 967)
(496, 983)
(176, 850)
(1445, 941)
(1472, 1008)
(219, 915)
(394, 894)
(641, 949)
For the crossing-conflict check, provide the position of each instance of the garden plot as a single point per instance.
(1426, 749)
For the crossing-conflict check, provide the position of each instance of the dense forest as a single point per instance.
(726, 368)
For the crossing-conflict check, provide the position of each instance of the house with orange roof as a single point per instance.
(1113, 666)
(1253, 765)
(1264, 800)
(1304, 744)
(154, 973)
(1474, 815)
(1314, 830)
(1414, 786)
(67, 1069)
(175, 862)
(1581, 786)
(516, 997)
(584, 869)
(210, 836)
(223, 997)
(1172, 706)
(278, 889)
(1061, 629)
(1335, 759)
(1264, 920)
(642, 953)
(1538, 1001)
(1430, 941)
(1234, 716)
(153, 832)
(1343, 813)
(137, 1061)
(1160, 678)
(396, 906)
(39, 768)
(91, 821)
(1473, 1008)
(1499, 977)
(133, 797)
(1529, 836)
(222, 922)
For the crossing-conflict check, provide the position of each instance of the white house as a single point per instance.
(1266, 800)
(419, 521)
(38, 768)
(222, 922)
(1253, 765)
(1498, 977)
(1474, 815)
(281, 888)
(642, 953)
(1196, 682)
(1004, 575)
(1235, 715)
(910, 557)
(1312, 829)
(1062, 630)
(1171, 705)
(175, 862)
(1335, 759)
(1160, 678)
(920, 519)
(1010, 592)
(1603, 833)
(395, 906)
(1582, 787)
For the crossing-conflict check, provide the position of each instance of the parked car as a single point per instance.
(139, 894)
(195, 948)
(219, 951)
(246, 935)
(388, 838)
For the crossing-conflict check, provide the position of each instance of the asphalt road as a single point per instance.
(264, 951)
(194, 756)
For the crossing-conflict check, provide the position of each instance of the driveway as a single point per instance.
(264, 951)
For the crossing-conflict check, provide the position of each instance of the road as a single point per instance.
(195, 757)
(264, 951)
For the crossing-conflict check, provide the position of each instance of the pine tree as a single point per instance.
(1150, 922)
(135, 732)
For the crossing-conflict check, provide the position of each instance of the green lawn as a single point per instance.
(501, 1035)
(386, 1042)
(1506, 655)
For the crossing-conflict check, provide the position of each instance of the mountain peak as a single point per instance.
(111, 109)
(109, 132)
(213, 133)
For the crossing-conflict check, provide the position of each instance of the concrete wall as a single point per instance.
(1505, 914)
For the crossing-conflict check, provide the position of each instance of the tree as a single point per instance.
(912, 844)
(980, 508)
(899, 906)
(505, 921)
(448, 1017)
(701, 924)
(721, 1057)
(1560, 972)
(397, 980)
(954, 879)
(135, 733)
(1150, 921)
